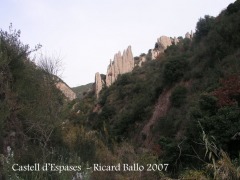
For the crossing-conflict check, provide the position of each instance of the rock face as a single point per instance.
(125, 63)
(67, 91)
(98, 84)
(162, 43)
(189, 35)
(142, 59)
(121, 64)
(175, 40)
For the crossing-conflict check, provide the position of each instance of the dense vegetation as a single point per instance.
(202, 114)
(82, 90)
(30, 112)
(182, 109)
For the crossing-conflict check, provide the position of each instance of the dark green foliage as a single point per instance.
(183, 47)
(123, 125)
(30, 106)
(170, 151)
(178, 96)
(203, 27)
(174, 70)
(172, 50)
(124, 79)
(169, 125)
(233, 7)
(86, 149)
(208, 103)
(129, 100)
(222, 36)
(136, 112)
(104, 95)
(81, 90)
(108, 112)
(223, 126)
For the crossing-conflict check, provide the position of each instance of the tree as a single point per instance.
(174, 69)
(229, 93)
(204, 25)
(51, 65)
(178, 96)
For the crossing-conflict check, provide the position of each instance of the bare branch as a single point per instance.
(52, 65)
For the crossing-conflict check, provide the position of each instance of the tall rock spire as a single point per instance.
(162, 43)
(121, 64)
(98, 84)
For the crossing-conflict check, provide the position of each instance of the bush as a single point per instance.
(174, 70)
(178, 96)
(208, 103)
(233, 8)
(204, 25)
(223, 126)
(124, 79)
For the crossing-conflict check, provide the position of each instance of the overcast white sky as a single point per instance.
(87, 33)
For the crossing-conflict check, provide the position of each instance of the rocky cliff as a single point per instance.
(66, 90)
(125, 63)
(162, 43)
(121, 64)
(189, 35)
(99, 82)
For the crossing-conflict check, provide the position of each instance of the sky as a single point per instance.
(85, 34)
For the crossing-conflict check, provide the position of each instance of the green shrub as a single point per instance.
(203, 27)
(233, 7)
(174, 69)
(178, 96)
(124, 79)
(208, 103)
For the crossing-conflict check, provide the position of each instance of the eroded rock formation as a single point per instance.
(98, 83)
(125, 63)
(162, 43)
(66, 90)
(142, 59)
(189, 35)
(121, 64)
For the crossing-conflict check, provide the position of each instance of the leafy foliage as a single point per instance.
(203, 27)
(229, 93)
(174, 70)
(233, 8)
(178, 96)
(82, 90)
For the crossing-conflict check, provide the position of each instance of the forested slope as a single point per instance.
(181, 109)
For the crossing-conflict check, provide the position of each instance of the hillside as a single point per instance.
(176, 115)
(186, 97)
(81, 90)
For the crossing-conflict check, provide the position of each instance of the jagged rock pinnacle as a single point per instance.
(121, 64)
(98, 84)
(125, 63)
